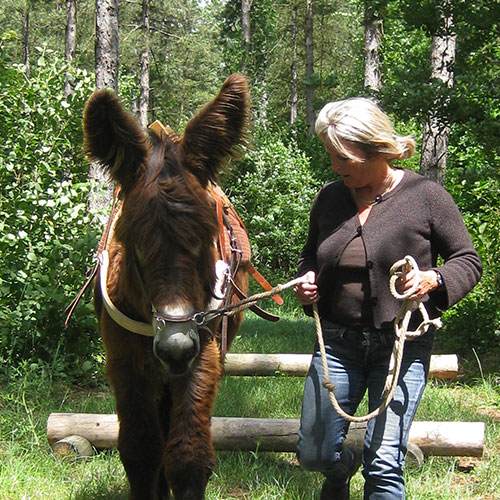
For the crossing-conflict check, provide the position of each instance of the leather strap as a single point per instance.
(71, 308)
(115, 209)
(264, 283)
(255, 308)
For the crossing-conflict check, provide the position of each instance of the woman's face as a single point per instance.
(354, 173)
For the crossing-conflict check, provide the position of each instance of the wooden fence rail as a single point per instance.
(443, 366)
(78, 432)
(269, 434)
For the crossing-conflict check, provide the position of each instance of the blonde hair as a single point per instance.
(360, 121)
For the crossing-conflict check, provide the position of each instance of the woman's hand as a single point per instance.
(306, 292)
(427, 282)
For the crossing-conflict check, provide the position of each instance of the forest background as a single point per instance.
(298, 55)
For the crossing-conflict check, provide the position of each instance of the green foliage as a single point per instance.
(475, 321)
(273, 190)
(44, 237)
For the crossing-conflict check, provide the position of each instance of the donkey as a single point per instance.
(158, 278)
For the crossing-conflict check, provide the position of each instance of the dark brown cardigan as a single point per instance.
(418, 218)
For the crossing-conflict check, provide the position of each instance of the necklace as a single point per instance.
(389, 182)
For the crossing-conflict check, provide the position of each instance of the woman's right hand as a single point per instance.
(306, 292)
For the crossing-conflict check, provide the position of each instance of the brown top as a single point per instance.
(350, 297)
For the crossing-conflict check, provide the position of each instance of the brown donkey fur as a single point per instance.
(162, 254)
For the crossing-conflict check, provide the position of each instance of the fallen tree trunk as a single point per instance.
(265, 434)
(443, 366)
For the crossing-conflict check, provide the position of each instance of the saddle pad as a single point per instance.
(239, 232)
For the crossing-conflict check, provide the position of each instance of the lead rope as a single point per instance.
(400, 329)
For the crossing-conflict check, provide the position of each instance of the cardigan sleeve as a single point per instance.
(462, 266)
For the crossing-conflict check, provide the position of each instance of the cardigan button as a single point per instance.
(374, 301)
(369, 264)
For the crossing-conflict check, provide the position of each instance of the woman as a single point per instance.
(359, 227)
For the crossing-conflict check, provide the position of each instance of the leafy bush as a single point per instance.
(273, 191)
(45, 241)
(475, 321)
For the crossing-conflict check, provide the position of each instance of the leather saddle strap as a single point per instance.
(70, 309)
(222, 232)
(264, 283)
(102, 245)
(255, 308)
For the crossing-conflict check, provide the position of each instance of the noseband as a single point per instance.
(199, 318)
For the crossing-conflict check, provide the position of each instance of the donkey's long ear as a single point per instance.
(114, 138)
(217, 131)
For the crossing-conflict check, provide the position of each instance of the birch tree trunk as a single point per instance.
(107, 62)
(373, 36)
(144, 79)
(245, 26)
(293, 68)
(70, 41)
(26, 38)
(309, 67)
(107, 47)
(436, 128)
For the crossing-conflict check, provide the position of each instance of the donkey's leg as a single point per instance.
(189, 455)
(140, 440)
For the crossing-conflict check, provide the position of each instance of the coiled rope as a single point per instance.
(399, 268)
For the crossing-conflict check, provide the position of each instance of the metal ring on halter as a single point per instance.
(199, 318)
(160, 322)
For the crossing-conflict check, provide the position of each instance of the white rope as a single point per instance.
(401, 267)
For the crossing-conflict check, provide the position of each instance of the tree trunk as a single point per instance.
(245, 26)
(373, 36)
(107, 62)
(26, 39)
(293, 68)
(309, 67)
(144, 80)
(70, 41)
(436, 128)
(107, 49)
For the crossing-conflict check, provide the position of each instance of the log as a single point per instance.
(264, 434)
(73, 446)
(443, 366)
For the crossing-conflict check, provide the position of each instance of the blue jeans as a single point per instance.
(358, 361)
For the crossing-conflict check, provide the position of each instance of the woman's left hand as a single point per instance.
(427, 282)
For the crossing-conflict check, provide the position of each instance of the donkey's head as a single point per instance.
(168, 226)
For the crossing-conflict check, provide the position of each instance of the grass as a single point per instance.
(28, 469)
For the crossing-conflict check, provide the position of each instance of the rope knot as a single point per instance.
(398, 269)
(328, 385)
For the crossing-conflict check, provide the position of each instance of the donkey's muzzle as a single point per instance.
(176, 345)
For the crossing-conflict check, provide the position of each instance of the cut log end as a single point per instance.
(73, 446)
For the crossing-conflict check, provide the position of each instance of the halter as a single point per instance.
(199, 318)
